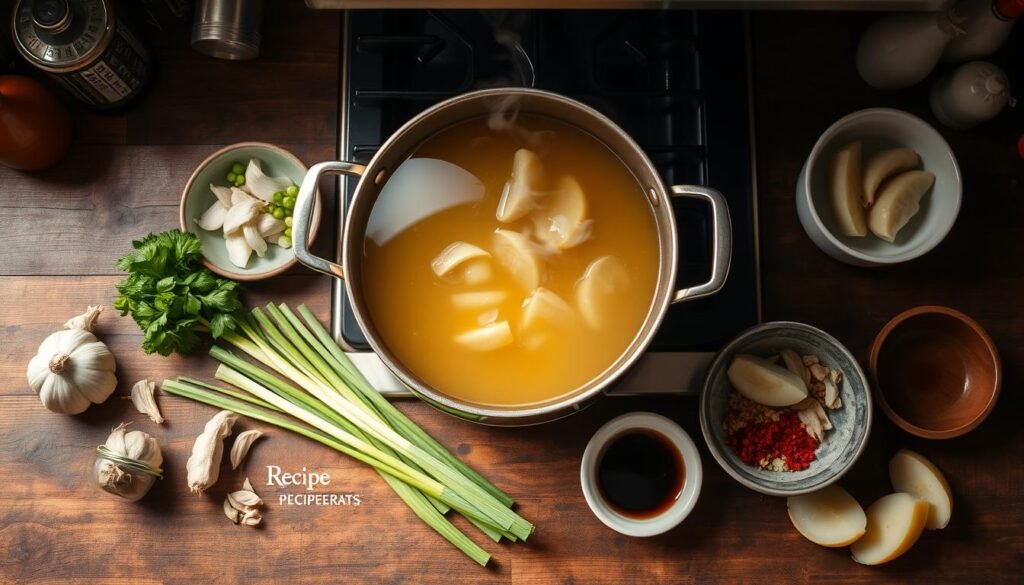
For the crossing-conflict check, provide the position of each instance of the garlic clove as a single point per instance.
(247, 485)
(203, 464)
(241, 214)
(241, 448)
(244, 499)
(238, 249)
(268, 226)
(239, 196)
(232, 514)
(59, 395)
(94, 385)
(213, 218)
(144, 400)
(252, 518)
(261, 185)
(86, 321)
(223, 194)
(252, 237)
(95, 355)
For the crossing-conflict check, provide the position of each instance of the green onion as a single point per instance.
(306, 376)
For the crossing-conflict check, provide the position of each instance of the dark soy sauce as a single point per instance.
(640, 474)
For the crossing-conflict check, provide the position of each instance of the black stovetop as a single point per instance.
(676, 81)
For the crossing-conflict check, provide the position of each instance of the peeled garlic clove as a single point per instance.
(213, 217)
(899, 199)
(462, 262)
(253, 238)
(244, 499)
(238, 249)
(230, 511)
(241, 214)
(796, 365)
(599, 289)
(247, 485)
(847, 183)
(883, 165)
(268, 225)
(478, 299)
(514, 253)
(562, 223)
(262, 185)
(223, 194)
(521, 191)
(241, 448)
(252, 518)
(239, 196)
(144, 400)
(487, 338)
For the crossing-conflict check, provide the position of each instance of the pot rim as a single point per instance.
(572, 400)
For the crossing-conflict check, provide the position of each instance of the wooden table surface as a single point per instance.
(63, 229)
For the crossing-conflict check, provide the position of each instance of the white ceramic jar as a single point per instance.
(971, 94)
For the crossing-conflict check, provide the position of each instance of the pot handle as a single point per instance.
(302, 218)
(721, 242)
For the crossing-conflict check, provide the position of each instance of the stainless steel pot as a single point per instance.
(481, 103)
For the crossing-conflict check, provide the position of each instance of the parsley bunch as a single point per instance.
(171, 296)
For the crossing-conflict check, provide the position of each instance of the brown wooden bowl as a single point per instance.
(935, 372)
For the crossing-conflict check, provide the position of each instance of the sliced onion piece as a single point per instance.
(238, 249)
(241, 214)
(240, 196)
(252, 237)
(268, 225)
(212, 218)
(562, 223)
(544, 313)
(223, 194)
(598, 291)
(478, 299)
(515, 254)
(458, 263)
(487, 338)
(261, 185)
(523, 187)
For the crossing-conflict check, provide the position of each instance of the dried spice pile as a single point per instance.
(784, 439)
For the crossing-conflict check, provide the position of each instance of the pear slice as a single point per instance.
(847, 189)
(829, 517)
(883, 165)
(480, 299)
(562, 223)
(895, 522)
(490, 337)
(598, 291)
(462, 262)
(522, 189)
(764, 382)
(899, 199)
(514, 253)
(911, 473)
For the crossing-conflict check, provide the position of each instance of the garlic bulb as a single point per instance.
(72, 369)
(128, 464)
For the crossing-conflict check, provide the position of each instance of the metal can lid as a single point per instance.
(59, 35)
(51, 15)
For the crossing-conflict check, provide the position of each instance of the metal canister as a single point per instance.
(84, 47)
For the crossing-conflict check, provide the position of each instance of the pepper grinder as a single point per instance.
(971, 94)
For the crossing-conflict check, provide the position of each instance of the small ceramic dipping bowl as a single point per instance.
(196, 198)
(936, 372)
(851, 423)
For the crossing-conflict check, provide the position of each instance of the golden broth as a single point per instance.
(412, 308)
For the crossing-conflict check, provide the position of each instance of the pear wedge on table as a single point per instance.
(894, 523)
(912, 473)
(847, 185)
(883, 165)
(899, 199)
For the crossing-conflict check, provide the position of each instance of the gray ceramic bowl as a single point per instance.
(851, 423)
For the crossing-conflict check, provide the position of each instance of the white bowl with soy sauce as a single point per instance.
(641, 474)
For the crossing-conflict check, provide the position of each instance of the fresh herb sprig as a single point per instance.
(171, 296)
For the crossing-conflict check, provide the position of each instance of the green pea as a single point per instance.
(288, 221)
(288, 232)
(231, 177)
(289, 203)
(278, 213)
(292, 191)
(239, 180)
(237, 168)
(278, 198)
(287, 242)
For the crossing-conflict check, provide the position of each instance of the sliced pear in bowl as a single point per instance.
(829, 517)
(599, 289)
(764, 382)
(514, 253)
(489, 337)
(562, 223)
(521, 191)
(911, 473)
(461, 262)
(895, 522)
(883, 165)
(899, 199)
(847, 185)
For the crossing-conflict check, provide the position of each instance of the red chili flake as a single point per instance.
(760, 443)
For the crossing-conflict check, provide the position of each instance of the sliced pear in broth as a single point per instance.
(598, 292)
(462, 262)
(912, 473)
(899, 199)
(562, 223)
(829, 517)
(883, 165)
(523, 188)
(514, 253)
(764, 382)
(489, 337)
(847, 185)
(895, 522)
